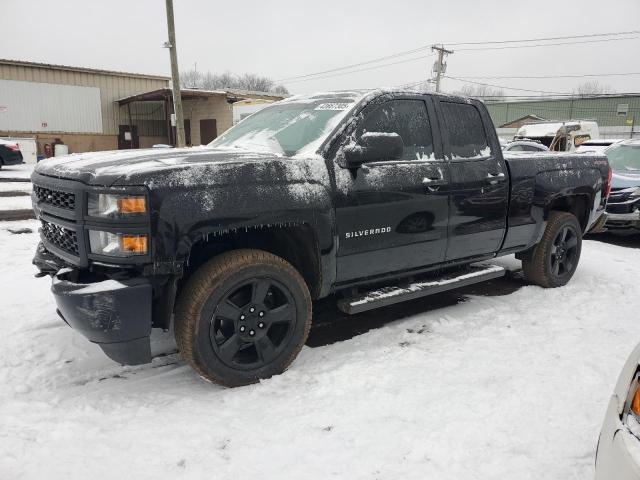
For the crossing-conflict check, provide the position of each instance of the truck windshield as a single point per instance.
(624, 157)
(294, 126)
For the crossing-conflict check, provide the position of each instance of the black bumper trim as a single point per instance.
(133, 352)
(114, 315)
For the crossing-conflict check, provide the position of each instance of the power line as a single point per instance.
(631, 32)
(507, 88)
(346, 67)
(583, 75)
(490, 42)
(509, 47)
(338, 74)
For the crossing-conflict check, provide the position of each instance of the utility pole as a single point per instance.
(175, 77)
(439, 67)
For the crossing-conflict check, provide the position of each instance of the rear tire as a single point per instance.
(555, 258)
(243, 316)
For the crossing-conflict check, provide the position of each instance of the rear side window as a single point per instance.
(407, 118)
(467, 137)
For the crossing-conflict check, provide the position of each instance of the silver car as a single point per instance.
(618, 453)
(525, 146)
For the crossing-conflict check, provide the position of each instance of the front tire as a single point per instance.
(243, 316)
(555, 258)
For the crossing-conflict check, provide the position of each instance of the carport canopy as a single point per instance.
(165, 94)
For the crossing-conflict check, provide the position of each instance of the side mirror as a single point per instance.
(374, 146)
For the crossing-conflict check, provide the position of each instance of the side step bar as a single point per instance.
(390, 295)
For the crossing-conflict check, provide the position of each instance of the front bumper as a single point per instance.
(116, 315)
(618, 454)
(623, 220)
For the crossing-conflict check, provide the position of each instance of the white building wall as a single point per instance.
(46, 107)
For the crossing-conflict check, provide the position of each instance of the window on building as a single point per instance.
(622, 110)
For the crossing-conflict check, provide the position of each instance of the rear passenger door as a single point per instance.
(479, 181)
(392, 215)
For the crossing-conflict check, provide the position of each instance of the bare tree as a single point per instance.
(593, 87)
(246, 81)
(190, 78)
(480, 91)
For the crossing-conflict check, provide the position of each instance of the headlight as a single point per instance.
(116, 206)
(118, 244)
(636, 193)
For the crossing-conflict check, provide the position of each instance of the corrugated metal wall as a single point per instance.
(113, 86)
(45, 107)
(604, 110)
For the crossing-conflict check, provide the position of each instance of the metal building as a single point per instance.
(91, 110)
(75, 105)
(618, 116)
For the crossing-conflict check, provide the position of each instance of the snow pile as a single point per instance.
(496, 387)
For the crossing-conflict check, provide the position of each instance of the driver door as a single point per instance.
(393, 215)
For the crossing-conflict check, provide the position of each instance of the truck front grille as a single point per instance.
(621, 201)
(61, 237)
(55, 198)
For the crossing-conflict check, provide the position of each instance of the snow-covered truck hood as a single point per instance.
(149, 166)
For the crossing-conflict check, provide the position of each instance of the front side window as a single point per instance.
(407, 118)
(467, 138)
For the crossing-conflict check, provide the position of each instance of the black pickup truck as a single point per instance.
(373, 197)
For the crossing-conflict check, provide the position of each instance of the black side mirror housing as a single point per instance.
(374, 146)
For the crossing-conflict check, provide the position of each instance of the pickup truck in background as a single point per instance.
(375, 197)
(560, 136)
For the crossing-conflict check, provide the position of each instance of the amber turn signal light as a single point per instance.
(134, 244)
(132, 205)
(635, 403)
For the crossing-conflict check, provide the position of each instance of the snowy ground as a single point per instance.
(22, 202)
(510, 386)
(23, 171)
(15, 187)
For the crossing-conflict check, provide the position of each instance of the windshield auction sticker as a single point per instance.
(333, 106)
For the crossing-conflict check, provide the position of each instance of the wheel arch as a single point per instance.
(297, 243)
(578, 204)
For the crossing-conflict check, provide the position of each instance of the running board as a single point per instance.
(390, 295)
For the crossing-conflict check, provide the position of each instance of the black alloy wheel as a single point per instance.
(564, 251)
(253, 323)
(554, 260)
(243, 316)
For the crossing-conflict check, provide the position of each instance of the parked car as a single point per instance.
(599, 145)
(618, 452)
(10, 153)
(623, 206)
(525, 145)
(378, 197)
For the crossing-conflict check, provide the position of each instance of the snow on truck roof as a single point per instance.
(359, 94)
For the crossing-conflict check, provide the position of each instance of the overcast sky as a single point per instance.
(287, 38)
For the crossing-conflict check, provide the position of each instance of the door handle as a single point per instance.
(435, 180)
(495, 178)
(433, 183)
